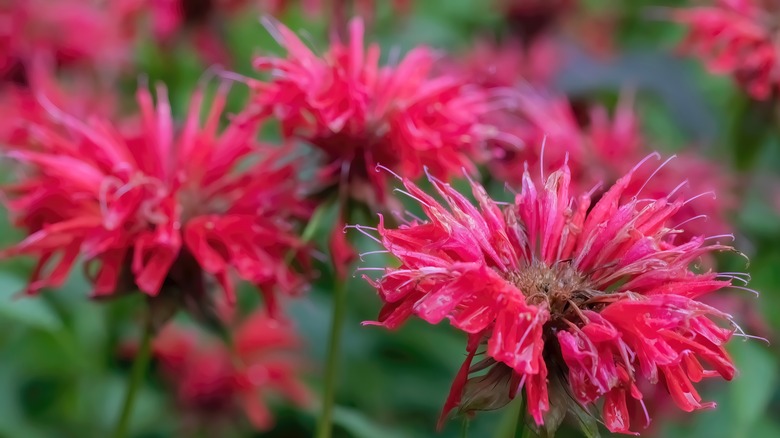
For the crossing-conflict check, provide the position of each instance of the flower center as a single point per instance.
(560, 286)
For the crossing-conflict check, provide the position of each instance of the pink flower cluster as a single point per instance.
(211, 381)
(737, 37)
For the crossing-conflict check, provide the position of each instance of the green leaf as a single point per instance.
(30, 311)
(752, 390)
(362, 427)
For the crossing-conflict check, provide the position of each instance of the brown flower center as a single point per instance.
(559, 286)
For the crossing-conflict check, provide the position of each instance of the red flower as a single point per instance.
(212, 382)
(492, 65)
(20, 110)
(362, 8)
(98, 34)
(600, 148)
(361, 114)
(153, 207)
(560, 292)
(737, 37)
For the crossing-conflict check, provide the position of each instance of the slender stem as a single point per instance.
(140, 364)
(311, 227)
(324, 426)
(521, 430)
(513, 417)
(464, 429)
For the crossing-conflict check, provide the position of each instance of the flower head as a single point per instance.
(153, 206)
(560, 296)
(501, 65)
(98, 34)
(212, 382)
(737, 37)
(599, 148)
(361, 114)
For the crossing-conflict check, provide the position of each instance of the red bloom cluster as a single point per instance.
(363, 8)
(552, 286)
(151, 207)
(98, 34)
(499, 65)
(213, 382)
(361, 114)
(600, 149)
(737, 37)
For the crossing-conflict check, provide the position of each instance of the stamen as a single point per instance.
(679, 186)
(380, 251)
(413, 197)
(655, 172)
(701, 216)
(541, 158)
(699, 196)
(746, 289)
(380, 167)
(362, 229)
(655, 155)
(729, 235)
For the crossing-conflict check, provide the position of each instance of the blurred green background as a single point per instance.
(61, 372)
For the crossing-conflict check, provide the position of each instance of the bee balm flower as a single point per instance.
(738, 37)
(155, 207)
(361, 114)
(556, 292)
(211, 382)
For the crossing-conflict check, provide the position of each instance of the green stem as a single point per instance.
(308, 232)
(522, 430)
(324, 426)
(512, 423)
(140, 364)
(464, 429)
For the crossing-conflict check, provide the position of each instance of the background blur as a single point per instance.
(62, 368)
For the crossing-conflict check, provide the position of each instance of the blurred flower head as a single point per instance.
(98, 35)
(361, 114)
(572, 301)
(213, 382)
(737, 37)
(505, 64)
(153, 206)
(601, 147)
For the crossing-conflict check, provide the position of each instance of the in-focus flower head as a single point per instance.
(361, 114)
(560, 296)
(154, 206)
(213, 382)
(737, 37)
